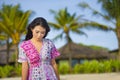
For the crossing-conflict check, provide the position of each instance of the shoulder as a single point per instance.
(24, 43)
(48, 41)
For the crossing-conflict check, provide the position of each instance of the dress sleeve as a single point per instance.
(54, 52)
(22, 56)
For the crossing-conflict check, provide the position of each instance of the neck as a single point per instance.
(34, 40)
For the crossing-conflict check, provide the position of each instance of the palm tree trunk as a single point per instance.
(8, 51)
(70, 55)
(16, 55)
(118, 57)
(70, 59)
(118, 36)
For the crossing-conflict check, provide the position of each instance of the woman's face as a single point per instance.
(38, 32)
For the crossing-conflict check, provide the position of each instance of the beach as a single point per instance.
(100, 76)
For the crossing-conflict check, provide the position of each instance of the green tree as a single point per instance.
(110, 13)
(68, 24)
(13, 22)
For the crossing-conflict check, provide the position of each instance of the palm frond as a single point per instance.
(3, 37)
(83, 5)
(23, 21)
(95, 12)
(55, 26)
(13, 12)
(59, 36)
(79, 32)
(52, 11)
(98, 26)
(4, 28)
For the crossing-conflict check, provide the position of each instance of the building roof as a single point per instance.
(78, 51)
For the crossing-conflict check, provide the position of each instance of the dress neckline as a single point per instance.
(39, 52)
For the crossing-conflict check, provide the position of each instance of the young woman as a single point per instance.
(37, 54)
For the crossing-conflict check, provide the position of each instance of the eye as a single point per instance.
(42, 32)
(37, 31)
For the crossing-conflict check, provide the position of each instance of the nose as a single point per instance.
(40, 34)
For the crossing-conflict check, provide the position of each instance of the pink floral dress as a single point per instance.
(40, 67)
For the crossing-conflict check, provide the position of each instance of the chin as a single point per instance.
(39, 39)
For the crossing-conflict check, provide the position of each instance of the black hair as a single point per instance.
(37, 21)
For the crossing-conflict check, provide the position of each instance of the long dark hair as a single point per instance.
(37, 21)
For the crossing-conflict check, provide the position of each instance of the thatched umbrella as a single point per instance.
(81, 52)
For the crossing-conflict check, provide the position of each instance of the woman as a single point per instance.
(37, 54)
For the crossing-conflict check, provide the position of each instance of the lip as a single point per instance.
(38, 38)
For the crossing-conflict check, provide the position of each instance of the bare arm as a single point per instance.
(54, 65)
(24, 70)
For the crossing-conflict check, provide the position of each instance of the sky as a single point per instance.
(41, 9)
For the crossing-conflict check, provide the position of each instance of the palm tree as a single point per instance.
(110, 13)
(13, 22)
(67, 23)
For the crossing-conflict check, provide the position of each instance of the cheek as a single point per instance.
(34, 34)
(43, 35)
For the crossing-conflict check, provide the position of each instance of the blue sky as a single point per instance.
(42, 7)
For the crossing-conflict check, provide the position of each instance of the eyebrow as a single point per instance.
(40, 31)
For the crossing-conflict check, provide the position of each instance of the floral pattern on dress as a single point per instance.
(40, 67)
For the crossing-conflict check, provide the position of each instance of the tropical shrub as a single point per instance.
(64, 68)
(6, 71)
